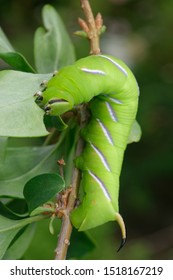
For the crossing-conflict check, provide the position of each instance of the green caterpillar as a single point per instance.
(112, 92)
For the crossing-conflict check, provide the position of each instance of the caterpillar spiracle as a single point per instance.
(112, 92)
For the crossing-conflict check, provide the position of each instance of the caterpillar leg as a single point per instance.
(38, 96)
(121, 223)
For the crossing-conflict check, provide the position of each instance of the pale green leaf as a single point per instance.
(3, 144)
(8, 224)
(21, 164)
(20, 116)
(9, 228)
(18, 248)
(53, 48)
(5, 240)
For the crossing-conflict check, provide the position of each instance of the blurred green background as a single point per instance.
(139, 32)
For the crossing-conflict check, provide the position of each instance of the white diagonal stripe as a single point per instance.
(106, 132)
(101, 156)
(93, 71)
(111, 112)
(116, 64)
(101, 184)
(114, 100)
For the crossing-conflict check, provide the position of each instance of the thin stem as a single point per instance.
(66, 227)
(92, 27)
(93, 32)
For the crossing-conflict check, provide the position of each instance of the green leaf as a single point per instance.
(49, 209)
(20, 116)
(9, 228)
(3, 144)
(9, 224)
(5, 240)
(8, 213)
(55, 121)
(51, 227)
(43, 243)
(135, 133)
(52, 46)
(14, 59)
(42, 188)
(18, 248)
(22, 164)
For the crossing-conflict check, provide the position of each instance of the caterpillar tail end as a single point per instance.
(121, 223)
(123, 241)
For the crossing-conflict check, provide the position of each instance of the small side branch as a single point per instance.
(91, 27)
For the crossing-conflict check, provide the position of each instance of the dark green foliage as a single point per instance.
(41, 189)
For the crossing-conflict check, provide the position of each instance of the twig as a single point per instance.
(66, 227)
(92, 27)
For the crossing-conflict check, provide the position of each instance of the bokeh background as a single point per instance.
(139, 32)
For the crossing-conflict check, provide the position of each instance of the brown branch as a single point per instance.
(66, 227)
(92, 27)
